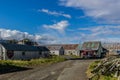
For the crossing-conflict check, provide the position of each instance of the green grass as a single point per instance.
(93, 64)
(74, 56)
(7, 66)
(91, 67)
(54, 59)
(33, 62)
(102, 77)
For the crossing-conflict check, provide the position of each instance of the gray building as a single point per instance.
(20, 52)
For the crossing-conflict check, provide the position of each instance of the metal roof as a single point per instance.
(91, 45)
(70, 46)
(54, 47)
(18, 47)
(43, 48)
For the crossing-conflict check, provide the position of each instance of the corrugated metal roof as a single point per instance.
(18, 47)
(91, 45)
(54, 47)
(58, 46)
(70, 46)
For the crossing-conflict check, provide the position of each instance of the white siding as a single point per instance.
(71, 52)
(54, 52)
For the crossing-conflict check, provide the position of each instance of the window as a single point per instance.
(10, 54)
(23, 53)
(69, 51)
(40, 53)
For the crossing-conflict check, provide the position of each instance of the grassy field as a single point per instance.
(32, 62)
(97, 77)
(16, 65)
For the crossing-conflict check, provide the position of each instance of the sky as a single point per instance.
(60, 21)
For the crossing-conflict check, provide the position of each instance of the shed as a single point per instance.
(91, 49)
(70, 49)
(55, 49)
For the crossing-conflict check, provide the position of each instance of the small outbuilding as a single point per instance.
(56, 49)
(70, 49)
(91, 49)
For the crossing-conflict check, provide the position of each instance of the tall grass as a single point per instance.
(53, 59)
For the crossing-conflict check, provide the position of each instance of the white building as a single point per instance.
(71, 49)
(55, 49)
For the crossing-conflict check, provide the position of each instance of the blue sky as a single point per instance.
(60, 21)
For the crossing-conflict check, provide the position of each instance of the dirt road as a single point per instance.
(68, 70)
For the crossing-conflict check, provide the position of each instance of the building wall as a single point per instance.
(45, 54)
(71, 52)
(18, 55)
(54, 52)
(61, 52)
(100, 50)
(57, 52)
(24, 55)
(96, 53)
(2, 53)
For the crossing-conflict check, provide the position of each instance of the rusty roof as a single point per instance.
(54, 47)
(91, 45)
(70, 46)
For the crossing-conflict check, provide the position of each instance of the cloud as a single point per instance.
(60, 26)
(8, 34)
(106, 11)
(54, 13)
(101, 33)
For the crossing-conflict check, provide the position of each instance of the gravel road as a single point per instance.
(67, 70)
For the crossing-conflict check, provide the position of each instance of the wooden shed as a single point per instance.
(91, 49)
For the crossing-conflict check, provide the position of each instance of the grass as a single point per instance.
(53, 59)
(74, 56)
(97, 77)
(7, 66)
(91, 67)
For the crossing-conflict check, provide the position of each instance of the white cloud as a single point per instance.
(55, 13)
(107, 11)
(60, 26)
(8, 34)
(101, 33)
